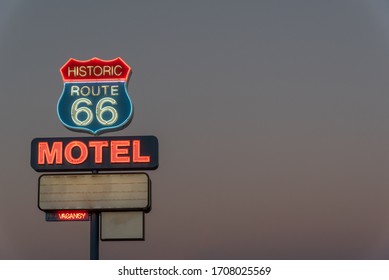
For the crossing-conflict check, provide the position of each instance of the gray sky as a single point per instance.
(272, 119)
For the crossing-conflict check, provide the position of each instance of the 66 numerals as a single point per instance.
(83, 116)
(226, 270)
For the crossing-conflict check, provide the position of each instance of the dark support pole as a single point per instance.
(94, 232)
(94, 236)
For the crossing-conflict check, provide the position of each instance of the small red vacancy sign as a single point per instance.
(67, 215)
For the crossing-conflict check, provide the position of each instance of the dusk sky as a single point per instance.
(272, 119)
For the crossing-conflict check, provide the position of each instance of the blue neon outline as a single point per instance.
(100, 131)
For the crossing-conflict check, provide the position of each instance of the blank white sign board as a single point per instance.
(94, 192)
(122, 225)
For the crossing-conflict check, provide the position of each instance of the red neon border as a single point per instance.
(127, 71)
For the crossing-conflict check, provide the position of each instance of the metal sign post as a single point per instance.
(94, 235)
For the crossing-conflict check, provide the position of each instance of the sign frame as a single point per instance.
(145, 209)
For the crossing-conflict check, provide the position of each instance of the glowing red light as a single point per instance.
(88, 153)
(67, 215)
(95, 69)
(72, 215)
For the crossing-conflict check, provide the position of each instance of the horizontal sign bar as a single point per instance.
(94, 192)
(94, 153)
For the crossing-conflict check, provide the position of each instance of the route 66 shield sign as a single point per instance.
(95, 98)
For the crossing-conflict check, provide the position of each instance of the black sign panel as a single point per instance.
(94, 153)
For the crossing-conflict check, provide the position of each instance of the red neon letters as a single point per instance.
(118, 149)
(72, 215)
(92, 153)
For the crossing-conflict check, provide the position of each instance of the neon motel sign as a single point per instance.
(91, 153)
